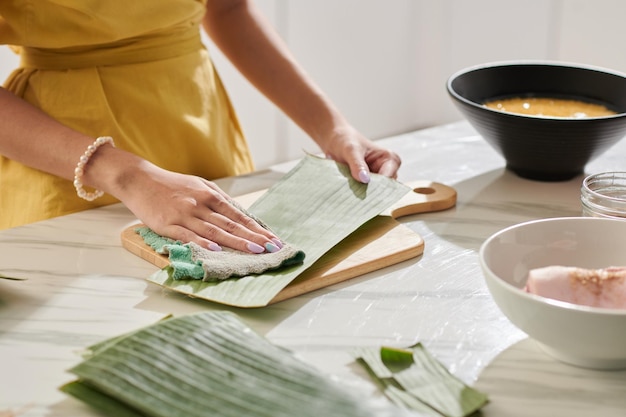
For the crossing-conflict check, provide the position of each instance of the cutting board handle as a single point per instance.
(425, 196)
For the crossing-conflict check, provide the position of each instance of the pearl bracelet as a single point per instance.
(80, 169)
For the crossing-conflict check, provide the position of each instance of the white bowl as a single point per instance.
(584, 336)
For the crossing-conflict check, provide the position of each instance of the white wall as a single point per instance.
(8, 60)
(385, 62)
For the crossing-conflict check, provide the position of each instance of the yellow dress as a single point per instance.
(134, 70)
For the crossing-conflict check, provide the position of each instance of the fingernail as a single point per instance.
(278, 243)
(254, 248)
(364, 176)
(270, 247)
(214, 247)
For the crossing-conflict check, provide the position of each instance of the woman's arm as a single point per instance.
(178, 206)
(250, 43)
(31, 137)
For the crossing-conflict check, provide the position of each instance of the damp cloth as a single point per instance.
(192, 261)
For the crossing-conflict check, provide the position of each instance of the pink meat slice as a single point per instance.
(604, 288)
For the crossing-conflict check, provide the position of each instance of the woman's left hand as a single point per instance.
(363, 156)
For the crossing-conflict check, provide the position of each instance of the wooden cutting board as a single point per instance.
(381, 242)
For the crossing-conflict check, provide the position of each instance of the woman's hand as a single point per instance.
(362, 155)
(192, 209)
(185, 207)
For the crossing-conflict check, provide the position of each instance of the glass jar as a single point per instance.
(604, 195)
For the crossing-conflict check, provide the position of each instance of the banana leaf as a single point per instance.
(313, 207)
(414, 379)
(209, 364)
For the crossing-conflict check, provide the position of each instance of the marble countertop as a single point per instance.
(81, 286)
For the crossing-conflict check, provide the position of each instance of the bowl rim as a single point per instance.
(538, 298)
(526, 62)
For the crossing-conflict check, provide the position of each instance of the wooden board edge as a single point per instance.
(306, 286)
(133, 242)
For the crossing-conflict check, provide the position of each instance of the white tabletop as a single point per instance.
(81, 287)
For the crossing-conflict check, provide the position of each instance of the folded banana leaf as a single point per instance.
(313, 207)
(412, 378)
(209, 364)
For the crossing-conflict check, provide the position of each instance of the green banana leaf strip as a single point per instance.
(404, 399)
(107, 405)
(413, 378)
(205, 364)
(390, 388)
(313, 207)
(103, 345)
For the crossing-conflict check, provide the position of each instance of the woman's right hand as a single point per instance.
(184, 207)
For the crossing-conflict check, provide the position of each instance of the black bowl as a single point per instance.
(538, 147)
